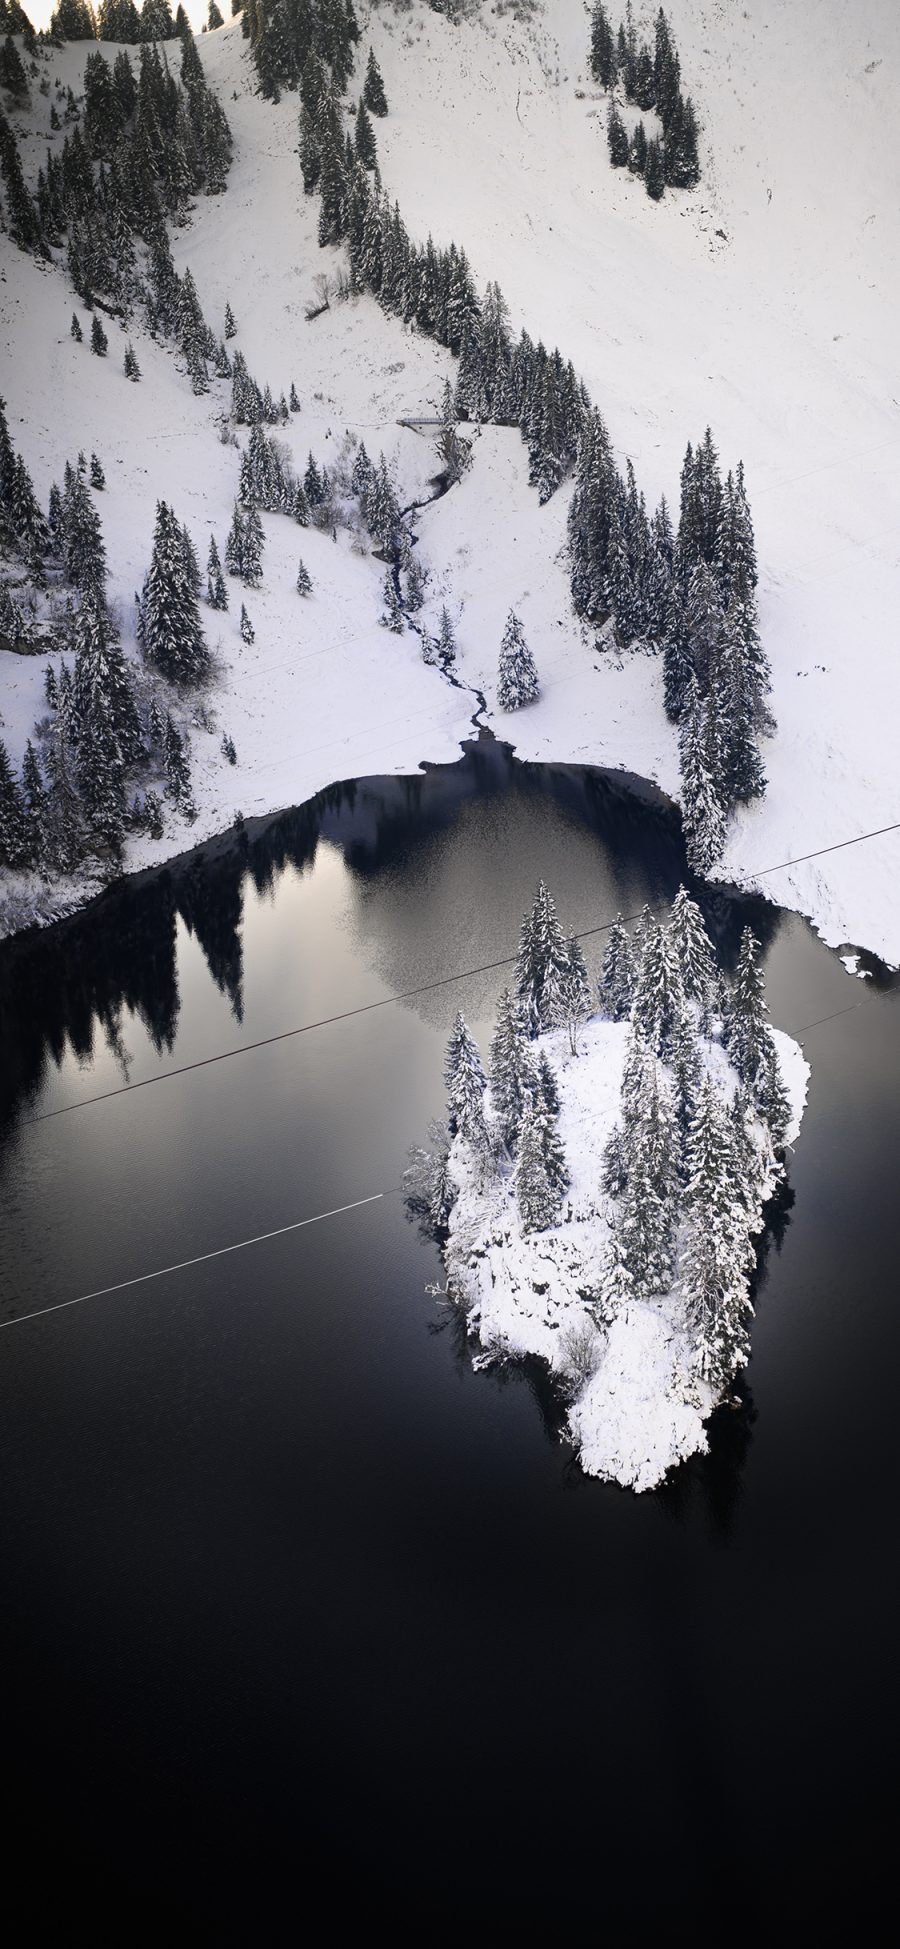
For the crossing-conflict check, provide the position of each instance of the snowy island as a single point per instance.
(597, 1197)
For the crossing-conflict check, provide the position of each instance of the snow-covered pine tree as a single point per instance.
(415, 581)
(248, 633)
(603, 47)
(466, 1083)
(364, 143)
(542, 966)
(548, 1083)
(13, 832)
(517, 677)
(654, 170)
(694, 954)
(130, 365)
(537, 1198)
(178, 770)
(75, 328)
(83, 550)
(230, 325)
(216, 592)
(617, 138)
(513, 1074)
(446, 640)
(252, 549)
(702, 811)
(99, 340)
(294, 401)
(34, 803)
(429, 1190)
(646, 1219)
(304, 580)
(576, 992)
(98, 477)
(172, 633)
(103, 703)
(373, 87)
(717, 1255)
(617, 975)
(771, 1098)
(392, 617)
(658, 999)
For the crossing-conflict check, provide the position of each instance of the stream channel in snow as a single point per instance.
(285, 1579)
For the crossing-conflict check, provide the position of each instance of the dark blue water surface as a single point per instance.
(297, 1607)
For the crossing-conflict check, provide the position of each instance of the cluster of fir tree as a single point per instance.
(117, 20)
(14, 20)
(283, 34)
(149, 143)
(251, 405)
(691, 1160)
(514, 1130)
(13, 78)
(651, 79)
(507, 381)
(74, 800)
(691, 594)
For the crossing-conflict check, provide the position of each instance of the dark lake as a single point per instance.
(298, 1608)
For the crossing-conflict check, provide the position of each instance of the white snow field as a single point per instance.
(762, 303)
(638, 1406)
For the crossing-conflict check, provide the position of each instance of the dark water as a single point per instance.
(297, 1607)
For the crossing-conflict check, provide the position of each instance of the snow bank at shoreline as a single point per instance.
(637, 1407)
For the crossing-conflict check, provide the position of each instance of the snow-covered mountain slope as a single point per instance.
(775, 332)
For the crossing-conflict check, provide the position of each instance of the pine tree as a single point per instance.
(294, 401)
(637, 150)
(214, 17)
(513, 1075)
(466, 1083)
(393, 617)
(537, 1199)
(717, 1254)
(364, 139)
(98, 478)
(99, 340)
(542, 966)
(228, 750)
(548, 1084)
(373, 88)
(103, 713)
(517, 677)
(603, 47)
(230, 325)
(748, 1032)
(83, 550)
(173, 637)
(771, 1097)
(13, 833)
(75, 328)
(654, 170)
(446, 640)
(659, 999)
(178, 770)
(34, 801)
(304, 581)
(576, 992)
(617, 975)
(248, 633)
(617, 138)
(216, 592)
(694, 954)
(702, 812)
